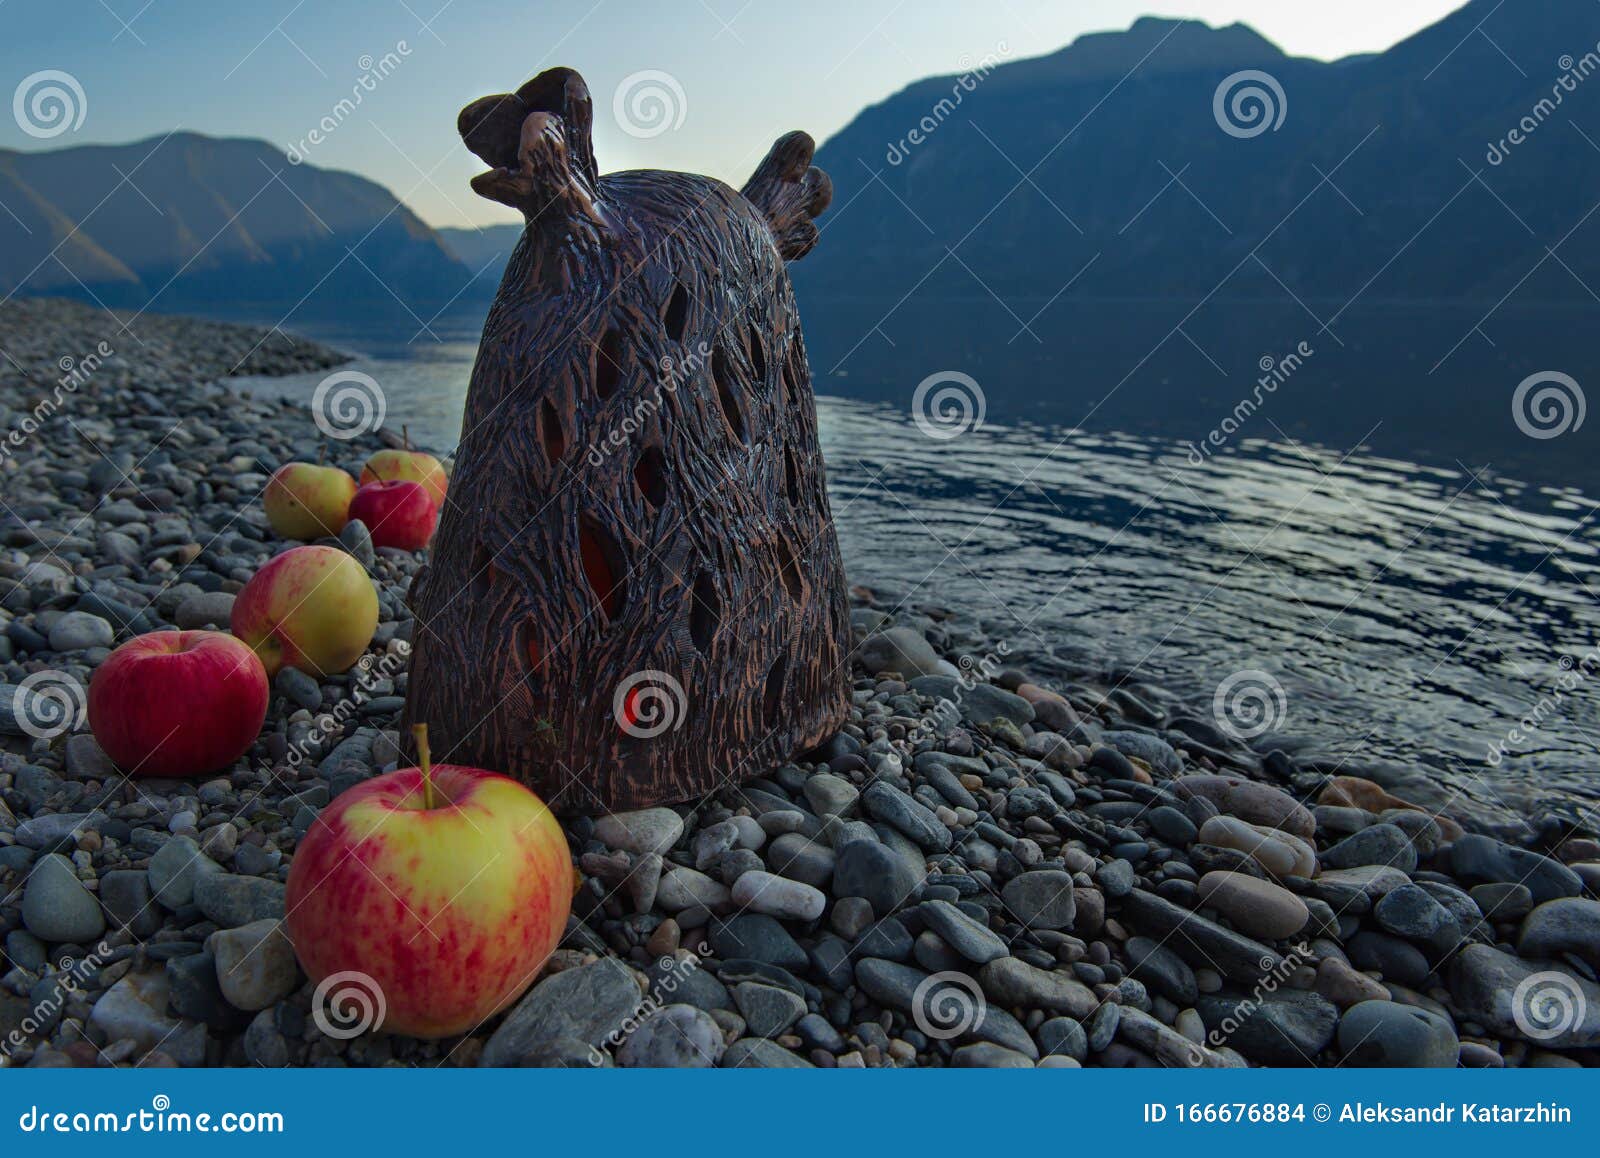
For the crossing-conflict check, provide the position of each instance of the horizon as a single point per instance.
(402, 133)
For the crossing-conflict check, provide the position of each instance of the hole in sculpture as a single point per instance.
(704, 611)
(608, 363)
(758, 356)
(677, 315)
(789, 571)
(727, 392)
(791, 473)
(772, 697)
(483, 573)
(650, 475)
(603, 567)
(551, 433)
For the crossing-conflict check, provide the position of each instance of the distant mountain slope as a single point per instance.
(1110, 147)
(486, 249)
(190, 219)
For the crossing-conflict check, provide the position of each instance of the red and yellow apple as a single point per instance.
(449, 904)
(408, 466)
(307, 501)
(313, 608)
(178, 703)
(397, 514)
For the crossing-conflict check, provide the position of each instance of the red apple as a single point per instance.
(178, 703)
(397, 514)
(409, 466)
(445, 887)
(313, 608)
(306, 501)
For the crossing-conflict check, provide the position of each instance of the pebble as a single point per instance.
(175, 868)
(767, 1009)
(56, 907)
(1041, 899)
(869, 870)
(232, 901)
(1476, 859)
(1568, 925)
(1381, 844)
(1386, 1034)
(255, 963)
(135, 1008)
(675, 1036)
(586, 1004)
(763, 892)
(77, 630)
(976, 942)
(204, 609)
(648, 830)
(1250, 800)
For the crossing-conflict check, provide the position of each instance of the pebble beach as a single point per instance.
(988, 866)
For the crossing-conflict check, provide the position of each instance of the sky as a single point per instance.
(704, 85)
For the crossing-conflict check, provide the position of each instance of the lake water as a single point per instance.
(1411, 615)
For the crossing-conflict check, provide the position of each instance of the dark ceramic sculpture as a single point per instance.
(635, 594)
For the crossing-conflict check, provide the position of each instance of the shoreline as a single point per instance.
(1075, 869)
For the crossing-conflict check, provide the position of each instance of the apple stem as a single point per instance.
(425, 760)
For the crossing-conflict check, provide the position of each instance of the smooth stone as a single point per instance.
(204, 609)
(767, 1010)
(985, 1055)
(1255, 907)
(1393, 958)
(1116, 878)
(1379, 844)
(764, 892)
(1250, 800)
(1162, 970)
(1354, 890)
(674, 1037)
(232, 901)
(51, 829)
(758, 937)
(679, 979)
(175, 868)
(977, 943)
(256, 966)
(1555, 1009)
(760, 1053)
(1288, 1027)
(1476, 859)
(888, 939)
(648, 830)
(1153, 750)
(872, 871)
(1064, 1036)
(77, 630)
(1173, 828)
(56, 907)
(683, 888)
(851, 917)
(1282, 854)
(798, 857)
(1568, 925)
(831, 795)
(1013, 982)
(906, 815)
(1503, 900)
(1199, 940)
(1341, 983)
(1387, 1034)
(588, 1004)
(135, 1008)
(1041, 899)
(1412, 912)
(125, 896)
(984, 704)
(899, 649)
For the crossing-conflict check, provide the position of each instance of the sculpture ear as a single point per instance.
(562, 91)
(790, 191)
(491, 127)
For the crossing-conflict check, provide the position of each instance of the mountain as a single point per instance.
(485, 250)
(1082, 234)
(188, 221)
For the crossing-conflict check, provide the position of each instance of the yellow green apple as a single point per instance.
(313, 608)
(408, 466)
(443, 888)
(307, 501)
